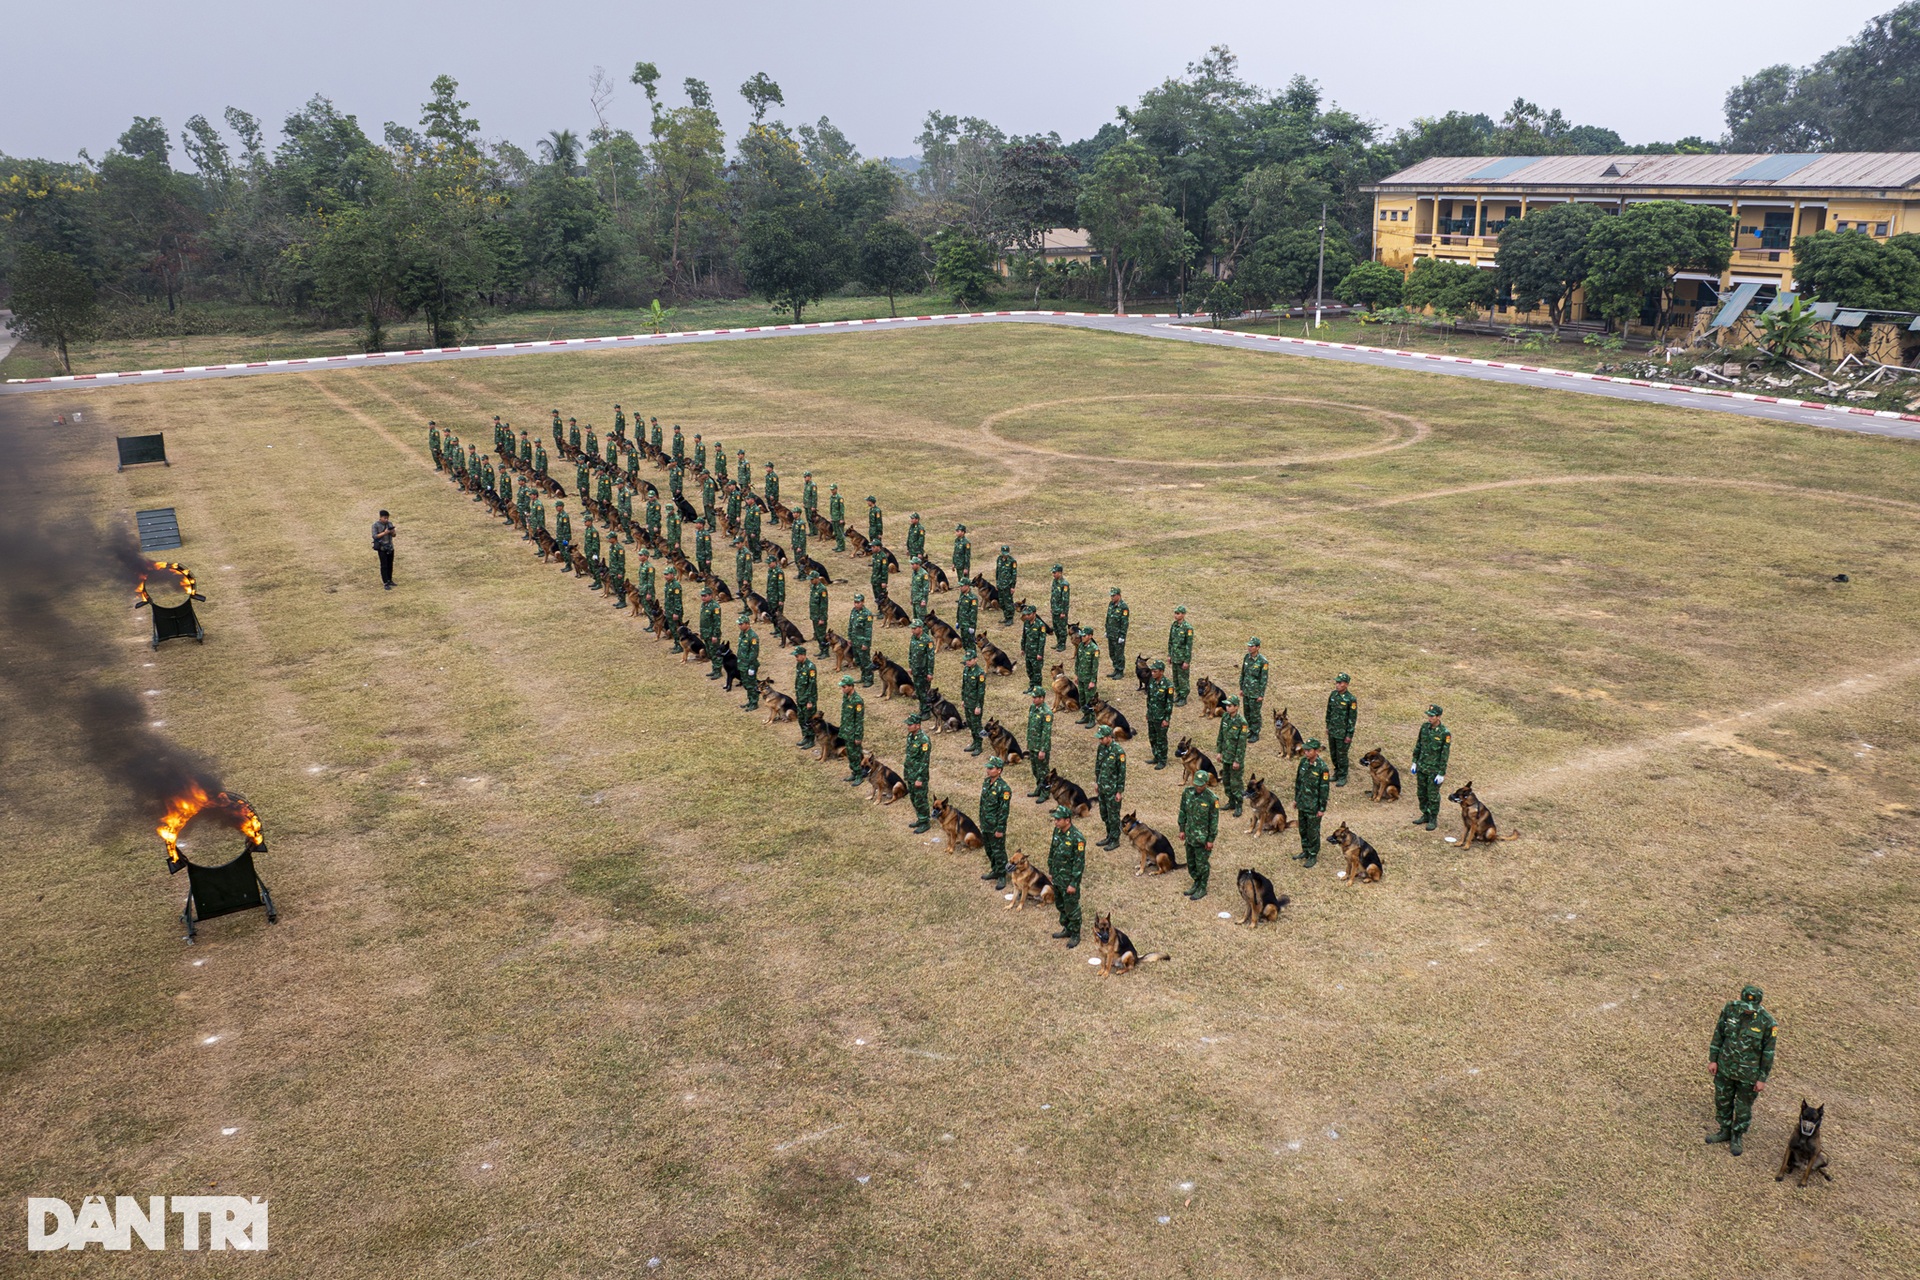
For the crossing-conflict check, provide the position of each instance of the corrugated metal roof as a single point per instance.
(1501, 168)
(1879, 169)
(1774, 168)
(1741, 299)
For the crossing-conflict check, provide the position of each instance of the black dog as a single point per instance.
(1803, 1151)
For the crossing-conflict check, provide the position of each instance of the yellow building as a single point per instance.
(1453, 207)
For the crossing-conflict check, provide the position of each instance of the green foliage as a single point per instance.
(1371, 284)
(1855, 270)
(1793, 333)
(658, 317)
(963, 267)
(53, 299)
(1543, 256)
(1632, 256)
(792, 256)
(1285, 267)
(1862, 96)
(1223, 301)
(891, 260)
(761, 92)
(1451, 290)
(1121, 210)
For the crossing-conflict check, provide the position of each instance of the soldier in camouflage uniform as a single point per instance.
(710, 631)
(1117, 615)
(590, 548)
(1180, 656)
(877, 571)
(1059, 601)
(1740, 1057)
(917, 772)
(1006, 575)
(860, 638)
(837, 514)
(582, 483)
(751, 520)
(702, 548)
(1086, 670)
(1033, 642)
(1253, 687)
(817, 605)
(1232, 746)
(573, 434)
(1159, 712)
(853, 729)
(876, 520)
(710, 499)
(916, 537)
(973, 700)
(1110, 779)
(741, 471)
(733, 502)
(806, 694)
(962, 554)
(593, 443)
(1199, 827)
(523, 503)
(540, 460)
(770, 486)
(536, 519)
(920, 666)
(920, 587)
(699, 452)
(526, 449)
(742, 564)
(1430, 752)
(776, 591)
(433, 446)
(617, 569)
(1343, 713)
(559, 433)
(1310, 801)
(562, 529)
(966, 615)
(670, 607)
(747, 658)
(679, 444)
(996, 802)
(797, 535)
(672, 533)
(653, 513)
(1039, 742)
(809, 495)
(1067, 865)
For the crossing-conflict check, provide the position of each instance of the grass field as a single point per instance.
(581, 966)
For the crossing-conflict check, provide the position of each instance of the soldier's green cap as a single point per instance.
(1202, 778)
(1104, 731)
(859, 597)
(1061, 811)
(744, 619)
(1027, 607)
(1254, 643)
(870, 498)
(1433, 709)
(706, 591)
(1158, 665)
(1180, 608)
(1036, 692)
(959, 528)
(834, 487)
(801, 652)
(1233, 699)
(995, 762)
(805, 474)
(972, 656)
(914, 516)
(846, 682)
(915, 717)
(1312, 744)
(1059, 568)
(1113, 591)
(1751, 992)
(1006, 546)
(1342, 678)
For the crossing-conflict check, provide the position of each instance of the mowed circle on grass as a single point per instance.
(1204, 430)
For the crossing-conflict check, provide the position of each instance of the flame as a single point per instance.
(232, 809)
(167, 566)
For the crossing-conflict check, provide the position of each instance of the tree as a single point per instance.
(688, 151)
(1285, 266)
(891, 260)
(1792, 333)
(1222, 302)
(1779, 108)
(761, 92)
(1371, 284)
(1448, 289)
(1034, 191)
(1543, 256)
(792, 256)
(963, 266)
(1125, 221)
(1876, 97)
(1857, 271)
(1632, 256)
(53, 300)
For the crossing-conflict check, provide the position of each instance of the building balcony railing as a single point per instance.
(1458, 241)
(1763, 255)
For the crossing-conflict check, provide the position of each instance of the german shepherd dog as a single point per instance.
(1106, 713)
(1192, 760)
(1803, 1149)
(790, 635)
(809, 565)
(856, 542)
(1213, 699)
(1116, 948)
(894, 678)
(779, 705)
(842, 650)
(941, 582)
(1363, 860)
(1070, 794)
(1476, 819)
(1386, 778)
(946, 716)
(892, 615)
(1156, 851)
(997, 660)
(1269, 814)
(944, 636)
(1004, 744)
(730, 665)
(757, 605)
(886, 785)
(1143, 672)
(690, 641)
(1029, 881)
(1262, 902)
(721, 591)
(988, 593)
(821, 527)
(962, 832)
(827, 735)
(1291, 743)
(1066, 693)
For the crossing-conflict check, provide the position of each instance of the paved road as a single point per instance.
(1160, 327)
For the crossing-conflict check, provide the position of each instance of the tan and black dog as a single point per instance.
(1386, 778)
(1192, 760)
(1156, 851)
(1143, 672)
(1269, 814)
(1029, 881)
(779, 705)
(944, 636)
(895, 680)
(1117, 954)
(1003, 743)
(827, 739)
(1066, 692)
(886, 785)
(842, 650)
(1262, 902)
(1291, 743)
(962, 832)
(1106, 713)
(1213, 699)
(1803, 1149)
(993, 657)
(1070, 794)
(1476, 819)
(946, 717)
(1363, 860)
(892, 615)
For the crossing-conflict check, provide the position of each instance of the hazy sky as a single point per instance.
(77, 72)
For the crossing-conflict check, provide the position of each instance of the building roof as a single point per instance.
(1064, 240)
(1880, 170)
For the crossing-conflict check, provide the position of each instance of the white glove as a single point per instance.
(1413, 768)
(1439, 778)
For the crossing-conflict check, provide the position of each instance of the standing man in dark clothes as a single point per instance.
(383, 531)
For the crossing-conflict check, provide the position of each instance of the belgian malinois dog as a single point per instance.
(1213, 699)
(1070, 794)
(1066, 693)
(1143, 672)
(1029, 881)
(827, 736)
(1291, 743)
(1156, 851)
(1476, 819)
(962, 832)
(886, 785)
(1363, 860)
(1262, 902)
(1117, 954)
(1386, 778)
(894, 679)
(1803, 1149)
(1269, 814)
(779, 705)
(1193, 760)
(998, 661)
(1106, 713)
(1003, 743)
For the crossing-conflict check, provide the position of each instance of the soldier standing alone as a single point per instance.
(1310, 801)
(1430, 751)
(1740, 1057)
(1253, 686)
(1343, 712)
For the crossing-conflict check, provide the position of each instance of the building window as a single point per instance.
(1879, 228)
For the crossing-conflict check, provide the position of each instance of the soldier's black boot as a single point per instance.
(1419, 820)
(1061, 933)
(1725, 1135)
(991, 875)
(1735, 1148)
(1001, 883)
(1073, 942)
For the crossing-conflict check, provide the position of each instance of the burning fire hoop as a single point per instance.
(168, 589)
(227, 888)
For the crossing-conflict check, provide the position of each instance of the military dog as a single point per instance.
(779, 705)
(1066, 693)
(1213, 699)
(1142, 672)
(944, 636)
(828, 739)
(1193, 760)
(1106, 713)
(1386, 778)
(1156, 851)
(1029, 881)
(857, 542)
(1363, 860)
(1803, 1149)
(892, 615)
(886, 785)
(1117, 954)
(1269, 814)
(1070, 794)
(1476, 819)
(790, 635)
(962, 832)
(894, 679)
(1003, 743)
(946, 716)
(996, 660)
(1291, 743)
(1262, 902)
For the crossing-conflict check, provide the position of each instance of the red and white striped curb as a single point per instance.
(555, 343)
(1717, 392)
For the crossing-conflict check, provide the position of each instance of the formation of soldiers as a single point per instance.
(631, 548)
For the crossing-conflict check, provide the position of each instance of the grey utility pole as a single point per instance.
(1320, 281)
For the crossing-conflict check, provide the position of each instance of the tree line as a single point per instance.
(1207, 177)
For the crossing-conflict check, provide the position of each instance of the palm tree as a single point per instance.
(561, 149)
